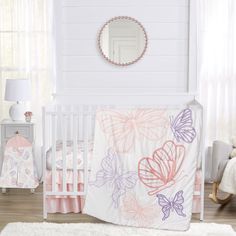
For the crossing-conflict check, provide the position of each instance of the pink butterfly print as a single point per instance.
(20, 151)
(142, 214)
(13, 181)
(123, 127)
(162, 170)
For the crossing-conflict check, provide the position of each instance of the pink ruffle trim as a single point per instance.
(64, 204)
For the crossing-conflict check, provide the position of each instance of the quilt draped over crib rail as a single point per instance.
(144, 165)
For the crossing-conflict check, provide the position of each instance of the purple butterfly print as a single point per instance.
(13, 172)
(26, 156)
(111, 173)
(182, 128)
(174, 205)
(27, 171)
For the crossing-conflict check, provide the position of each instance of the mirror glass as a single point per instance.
(122, 40)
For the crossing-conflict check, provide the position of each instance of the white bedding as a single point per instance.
(144, 166)
(69, 155)
(228, 182)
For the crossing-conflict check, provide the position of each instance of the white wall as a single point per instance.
(81, 70)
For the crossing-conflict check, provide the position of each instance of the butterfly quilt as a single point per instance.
(144, 164)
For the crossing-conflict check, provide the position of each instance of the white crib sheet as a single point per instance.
(69, 155)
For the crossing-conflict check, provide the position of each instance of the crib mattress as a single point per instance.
(69, 155)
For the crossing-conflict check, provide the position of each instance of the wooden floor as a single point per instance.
(21, 205)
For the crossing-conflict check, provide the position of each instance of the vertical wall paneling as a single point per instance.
(57, 35)
(192, 66)
(169, 65)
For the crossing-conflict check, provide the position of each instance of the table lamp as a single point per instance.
(18, 90)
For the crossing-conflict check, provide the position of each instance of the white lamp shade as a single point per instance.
(18, 90)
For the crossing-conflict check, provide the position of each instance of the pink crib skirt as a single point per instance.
(196, 198)
(64, 204)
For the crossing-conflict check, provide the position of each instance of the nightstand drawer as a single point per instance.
(9, 131)
(12, 130)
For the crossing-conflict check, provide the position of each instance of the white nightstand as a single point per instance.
(8, 129)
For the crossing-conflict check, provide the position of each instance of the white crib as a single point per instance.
(66, 123)
(76, 123)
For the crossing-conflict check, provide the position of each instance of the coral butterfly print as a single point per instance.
(182, 128)
(162, 170)
(111, 174)
(171, 205)
(142, 213)
(124, 128)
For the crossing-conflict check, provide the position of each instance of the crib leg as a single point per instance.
(45, 214)
(202, 215)
(202, 206)
(4, 190)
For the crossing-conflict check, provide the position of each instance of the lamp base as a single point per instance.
(17, 111)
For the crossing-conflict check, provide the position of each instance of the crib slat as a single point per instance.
(44, 163)
(202, 148)
(53, 118)
(64, 147)
(80, 124)
(75, 154)
(86, 148)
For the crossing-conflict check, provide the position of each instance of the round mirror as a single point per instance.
(122, 40)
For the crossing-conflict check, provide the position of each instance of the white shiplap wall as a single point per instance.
(163, 69)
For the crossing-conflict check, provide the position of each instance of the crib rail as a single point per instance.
(67, 127)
